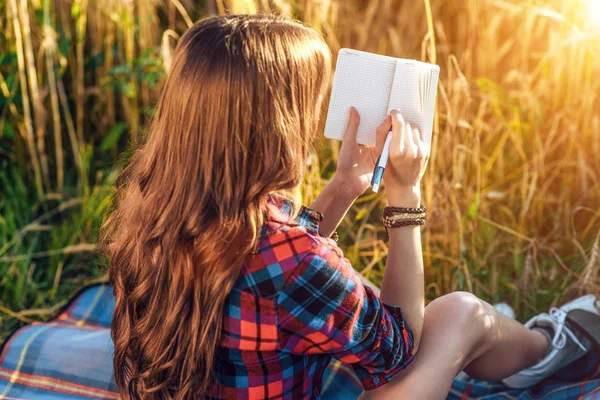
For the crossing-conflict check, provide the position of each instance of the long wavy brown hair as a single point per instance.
(234, 123)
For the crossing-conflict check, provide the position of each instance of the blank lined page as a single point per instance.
(430, 104)
(377, 84)
(406, 95)
(413, 94)
(362, 80)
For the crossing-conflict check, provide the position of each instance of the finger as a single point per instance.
(419, 145)
(426, 151)
(409, 138)
(397, 133)
(409, 147)
(352, 127)
(423, 147)
(417, 137)
(381, 133)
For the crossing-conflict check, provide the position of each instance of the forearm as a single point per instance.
(333, 202)
(403, 279)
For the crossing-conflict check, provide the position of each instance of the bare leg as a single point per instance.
(461, 331)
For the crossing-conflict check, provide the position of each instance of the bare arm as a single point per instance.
(353, 175)
(403, 281)
(333, 202)
(403, 278)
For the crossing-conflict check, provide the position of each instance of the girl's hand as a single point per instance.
(406, 164)
(356, 162)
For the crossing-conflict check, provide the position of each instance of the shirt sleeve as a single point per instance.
(324, 309)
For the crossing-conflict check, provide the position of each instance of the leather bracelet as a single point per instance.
(408, 222)
(396, 217)
(390, 210)
(404, 216)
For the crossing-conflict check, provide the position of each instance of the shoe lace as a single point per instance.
(559, 316)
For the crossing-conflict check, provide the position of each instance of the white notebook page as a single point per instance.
(430, 104)
(407, 96)
(413, 94)
(362, 82)
(375, 85)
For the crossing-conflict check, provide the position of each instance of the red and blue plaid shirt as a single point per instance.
(297, 304)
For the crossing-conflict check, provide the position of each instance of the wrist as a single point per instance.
(341, 189)
(404, 196)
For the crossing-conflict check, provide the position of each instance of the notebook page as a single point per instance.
(434, 77)
(413, 94)
(362, 80)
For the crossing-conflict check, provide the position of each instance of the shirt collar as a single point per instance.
(280, 209)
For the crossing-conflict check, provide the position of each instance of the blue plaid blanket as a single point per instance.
(71, 358)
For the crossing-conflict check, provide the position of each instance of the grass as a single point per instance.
(513, 186)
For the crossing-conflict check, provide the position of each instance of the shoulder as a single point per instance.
(284, 251)
(322, 264)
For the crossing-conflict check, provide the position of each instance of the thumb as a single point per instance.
(352, 127)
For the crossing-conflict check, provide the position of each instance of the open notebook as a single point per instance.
(375, 85)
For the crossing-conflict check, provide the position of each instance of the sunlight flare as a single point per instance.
(593, 7)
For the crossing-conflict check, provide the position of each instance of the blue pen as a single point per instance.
(381, 162)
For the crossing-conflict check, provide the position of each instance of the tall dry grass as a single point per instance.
(513, 185)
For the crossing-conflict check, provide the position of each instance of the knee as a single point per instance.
(467, 314)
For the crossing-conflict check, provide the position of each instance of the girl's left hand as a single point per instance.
(356, 162)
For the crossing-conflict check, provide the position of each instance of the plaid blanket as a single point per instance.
(71, 358)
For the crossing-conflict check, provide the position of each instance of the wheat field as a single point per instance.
(513, 185)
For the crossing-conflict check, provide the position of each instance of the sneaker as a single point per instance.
(567, 345)
(505, 309)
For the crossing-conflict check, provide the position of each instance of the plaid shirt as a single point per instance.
(297, 305)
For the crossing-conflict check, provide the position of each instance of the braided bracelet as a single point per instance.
(407, 222)
(395, 217)
(404, 216)
(407, 210)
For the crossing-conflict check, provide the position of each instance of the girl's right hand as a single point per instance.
(406, 164)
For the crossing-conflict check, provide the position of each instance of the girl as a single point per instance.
(226, 289)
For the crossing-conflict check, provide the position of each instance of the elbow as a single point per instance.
(415, 348)
(405, 346)
(415, 326)
(416, 338)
